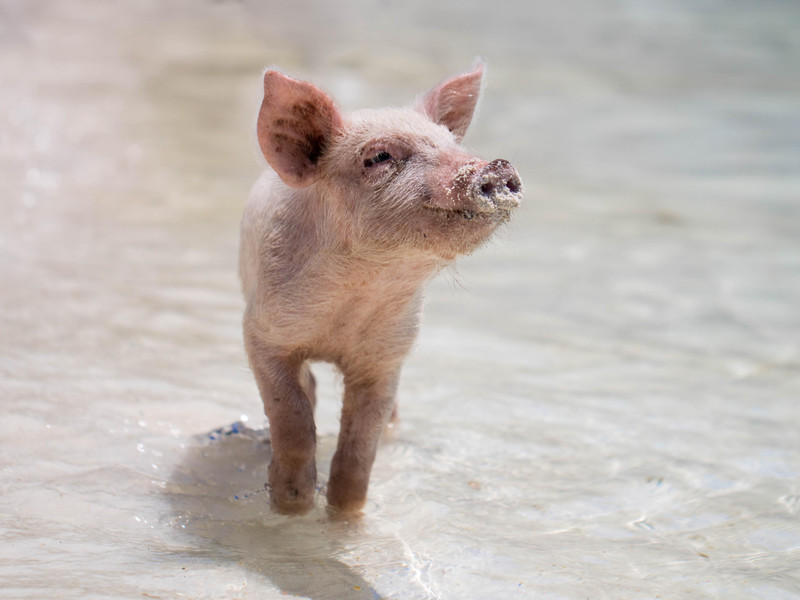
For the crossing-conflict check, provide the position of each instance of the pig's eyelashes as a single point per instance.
(380, 157)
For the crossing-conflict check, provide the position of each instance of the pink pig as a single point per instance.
(361, 210)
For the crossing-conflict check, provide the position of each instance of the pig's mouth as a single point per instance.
(448, 213)
(499, 214)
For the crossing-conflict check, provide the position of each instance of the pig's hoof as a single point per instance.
(338, 514)
(345, 509)
(291, 501)
(291, 507)
(345, 503)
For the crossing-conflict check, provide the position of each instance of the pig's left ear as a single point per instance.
(452, 103)
(295, 125)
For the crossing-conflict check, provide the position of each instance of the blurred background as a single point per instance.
(603, 403)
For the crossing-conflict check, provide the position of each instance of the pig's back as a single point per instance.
(258, 213)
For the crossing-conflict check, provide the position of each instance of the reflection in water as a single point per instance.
(217, 494)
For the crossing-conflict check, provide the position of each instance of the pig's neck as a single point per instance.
(355, 250)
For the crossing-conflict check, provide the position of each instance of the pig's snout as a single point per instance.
(496, 185)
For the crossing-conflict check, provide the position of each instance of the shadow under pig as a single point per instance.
(219, 502)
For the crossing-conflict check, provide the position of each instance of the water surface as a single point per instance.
(602, 404)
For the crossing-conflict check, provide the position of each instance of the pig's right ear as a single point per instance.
(295, 125)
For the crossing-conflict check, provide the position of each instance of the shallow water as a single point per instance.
(602, 404)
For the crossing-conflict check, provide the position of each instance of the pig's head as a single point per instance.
(393, 177)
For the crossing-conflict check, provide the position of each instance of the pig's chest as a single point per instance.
(367, 309)
(370, 302)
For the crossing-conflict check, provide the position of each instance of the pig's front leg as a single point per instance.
(287, 389)
(367, 408)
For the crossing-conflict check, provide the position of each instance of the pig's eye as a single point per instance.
(380, 157)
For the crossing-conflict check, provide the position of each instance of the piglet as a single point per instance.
(356, 214)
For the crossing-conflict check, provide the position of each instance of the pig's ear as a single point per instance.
(295, 125)
(452, 103)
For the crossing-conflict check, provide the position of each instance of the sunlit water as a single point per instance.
(602, 404)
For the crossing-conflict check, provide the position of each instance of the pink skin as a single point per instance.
(358, 212)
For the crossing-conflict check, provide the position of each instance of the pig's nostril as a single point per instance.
(487, 189)
(512, 185)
